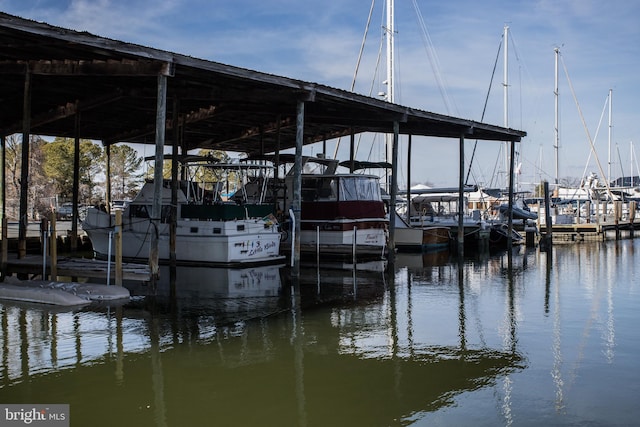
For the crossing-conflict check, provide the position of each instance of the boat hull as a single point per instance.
(422, 239)
(339, 238)
(499, 237)
(435, 238)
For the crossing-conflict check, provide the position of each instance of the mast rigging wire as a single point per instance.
(433, 58)
(355, 73)
(584, 125)
(484, 109)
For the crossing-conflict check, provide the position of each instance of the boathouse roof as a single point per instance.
(113, 86)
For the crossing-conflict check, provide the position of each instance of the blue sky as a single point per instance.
(319, 40)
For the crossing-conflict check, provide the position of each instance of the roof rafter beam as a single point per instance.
(64, 111)
(124, 67)
(267, 128)
(192, 117)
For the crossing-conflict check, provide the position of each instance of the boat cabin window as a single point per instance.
(144, 211)
(138, 211)
(319, 189)
(333, 188)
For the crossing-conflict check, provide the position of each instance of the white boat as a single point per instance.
(441, 209)
(210, 229)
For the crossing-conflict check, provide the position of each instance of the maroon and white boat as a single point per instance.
(340, 213)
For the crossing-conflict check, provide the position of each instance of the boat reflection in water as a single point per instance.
(243, 347)
(222, 295)
(424, 259)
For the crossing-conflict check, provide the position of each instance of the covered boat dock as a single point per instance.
(64, 83)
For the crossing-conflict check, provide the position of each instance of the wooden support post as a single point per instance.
(617, 217)
(76, 186)
(276, 171)
(409, 181)
(53, 248)
(44, 236)
(173, 224)
(632, 217)
(297, 190)
(393, 194)
(510, 218)
(118, 249)
(547, 243)
(107, 202)
(156, 208)
(5, 247)
(587, 209)
(461, 200)
(352, 151)
(3, 209)
(24, 172)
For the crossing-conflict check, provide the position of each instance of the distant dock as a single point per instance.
(592, 231)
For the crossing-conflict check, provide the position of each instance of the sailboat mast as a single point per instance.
(506, 76)
(505, 89)
(631, 164)
(609, 137)
(390, 51)
(390, 97)
(556, 144)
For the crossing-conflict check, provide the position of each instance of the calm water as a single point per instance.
(490, 341)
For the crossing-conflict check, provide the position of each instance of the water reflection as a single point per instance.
(254, 347)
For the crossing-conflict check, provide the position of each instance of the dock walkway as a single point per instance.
(77, 267)
(591, 231)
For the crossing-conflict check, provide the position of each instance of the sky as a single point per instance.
(445, 52)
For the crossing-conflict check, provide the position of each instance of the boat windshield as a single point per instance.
(359, 188)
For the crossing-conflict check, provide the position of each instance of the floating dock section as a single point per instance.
(58, 293)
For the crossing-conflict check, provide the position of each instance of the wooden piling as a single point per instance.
(617, 216)
(547, 243)
(461, 198)
(75, 185)
(156, 207)
(632, 217)
(24, 172)
(53, 249)
(5, 246)
(118, 242)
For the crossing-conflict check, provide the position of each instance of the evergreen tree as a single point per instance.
(58, 166)
(126, 175)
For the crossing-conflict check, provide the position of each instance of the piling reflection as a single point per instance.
(252, 347)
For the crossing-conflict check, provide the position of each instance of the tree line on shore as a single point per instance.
(50, 174)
